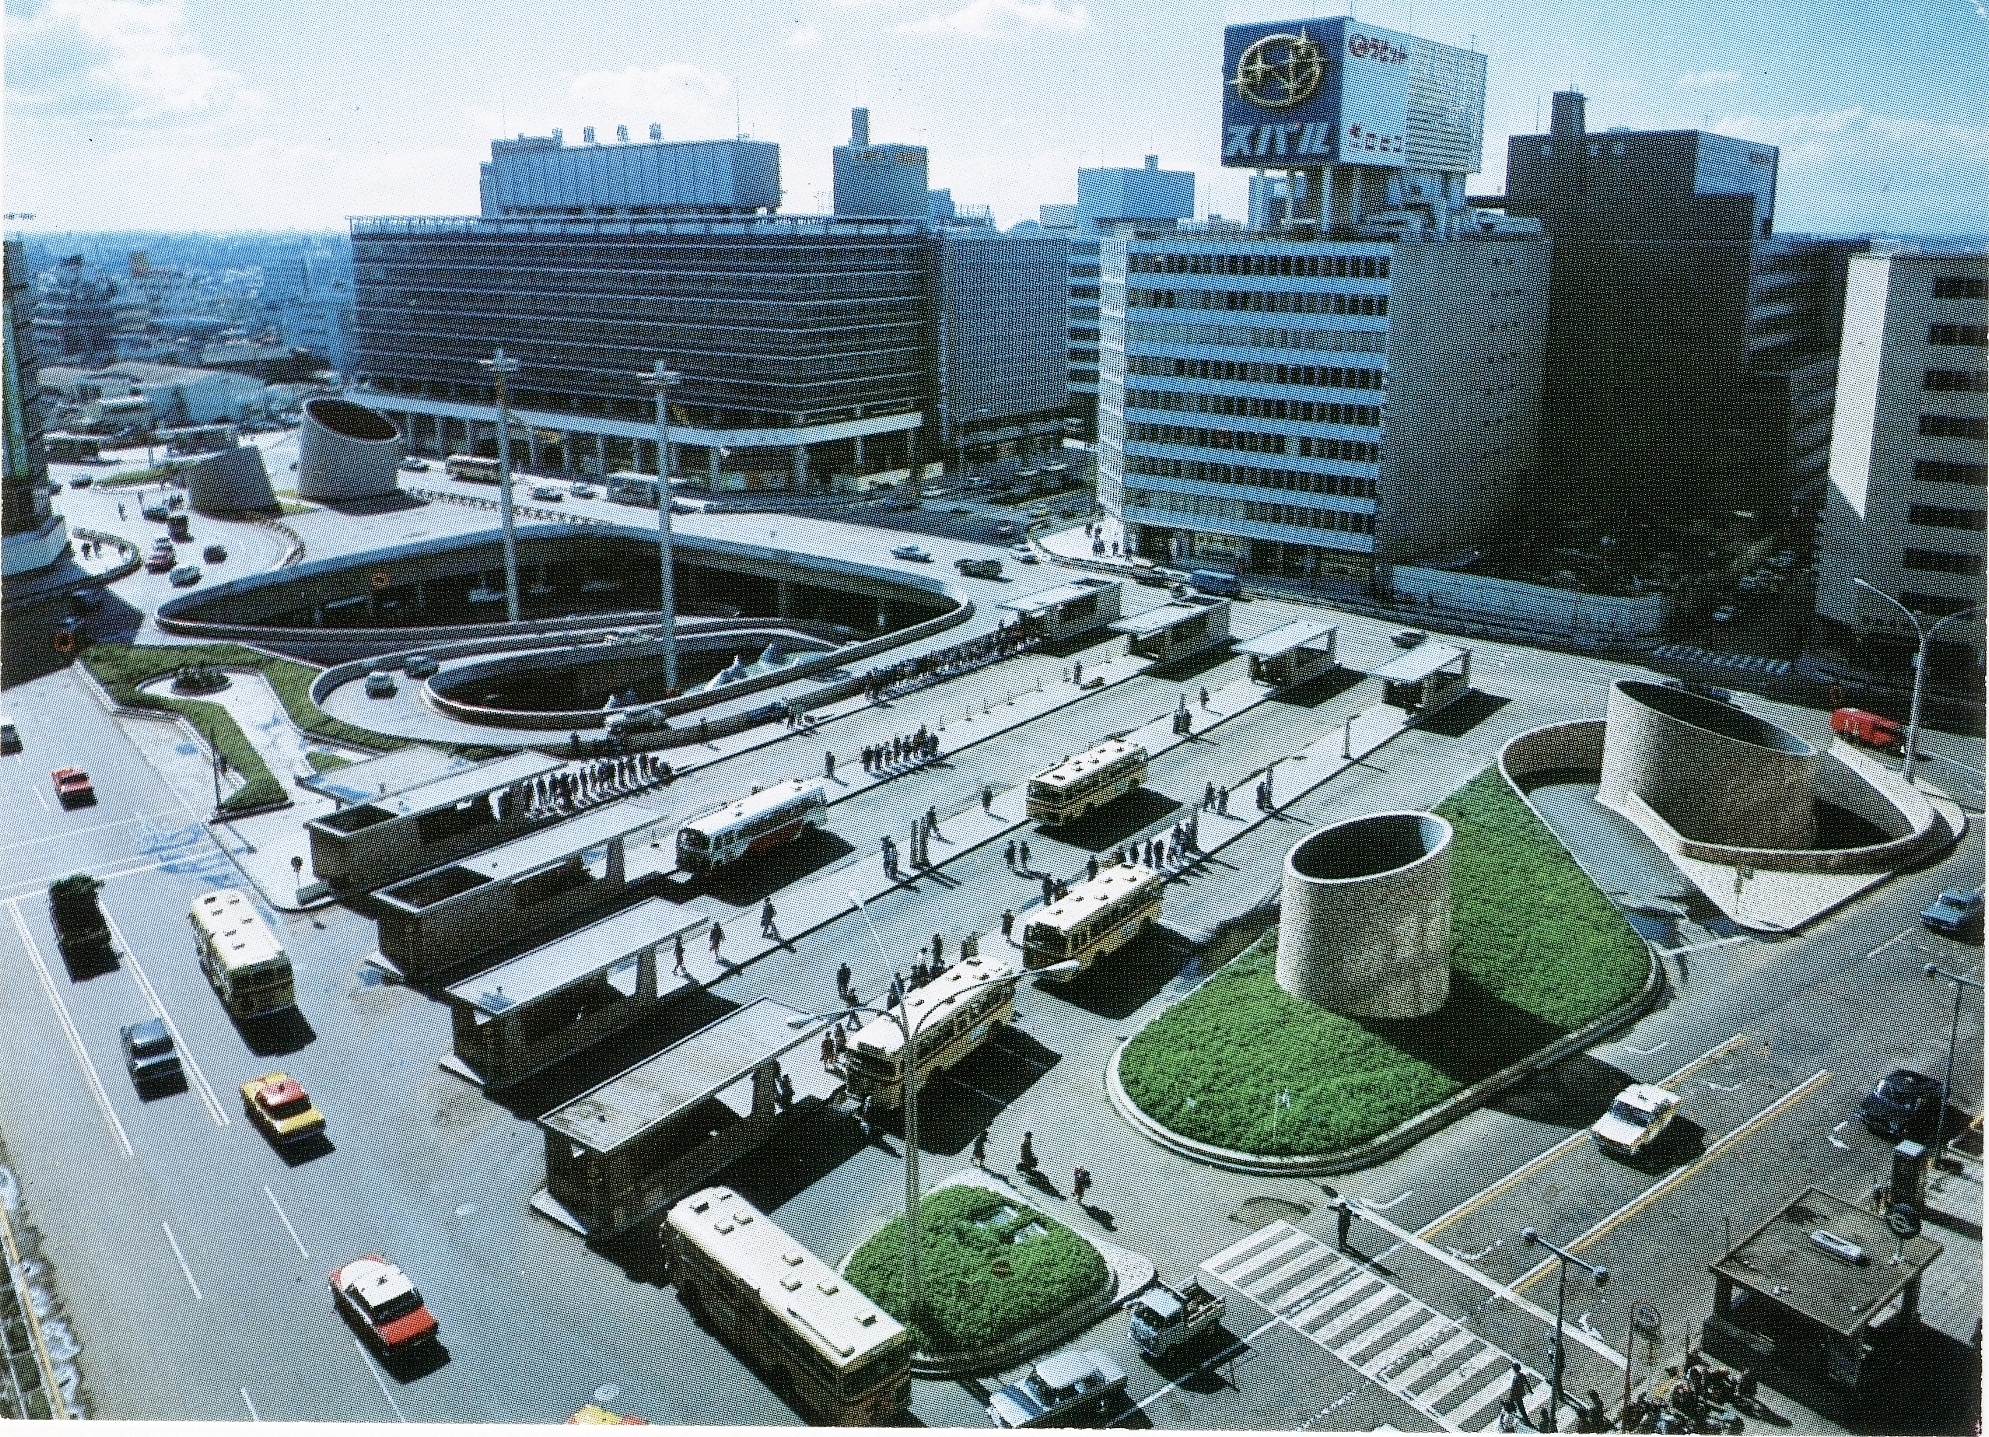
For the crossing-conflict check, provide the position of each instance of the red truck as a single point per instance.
(1870, 729)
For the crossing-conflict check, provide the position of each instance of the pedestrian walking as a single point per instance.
(981, 1148)
(1080, 1183)
(1205, 698)
(987, 798)
(1008, 854)
(767, 929)
(120, 509)
(864, 1117)
(1208, 794)
(1024, 854)
(1049, 890)
(1519, 1389)
(1026, 1162)
(1007, 924)
(828, 1051)
(1091, 866)
(938, 948)
(680, 955)
(932, 819)
(1344, 1219)
(842, 980)
(716, 938)
(829, 764)
(841, 1035)
(1077, 672)
(1222, 801)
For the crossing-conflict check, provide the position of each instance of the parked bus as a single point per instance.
(473, 467)
(839, 1357)
(1091, 780)
(240, 955)
(952, 1015)
(1094, 918)
(763, 820)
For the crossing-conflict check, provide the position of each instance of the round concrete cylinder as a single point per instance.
(346, 451)
(1714, 772)
(1365, 926)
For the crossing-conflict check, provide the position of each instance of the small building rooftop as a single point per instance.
(474, 782)
(1298, 634)
(564, 839)
(1056, 597)
(1779, 1262)
(1419, 663)
(1166, 616)
(569, 958)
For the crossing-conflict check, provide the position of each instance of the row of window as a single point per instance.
(1958, 286)
(1325, 376)
(1348, 341)
(1933, 516)
(1253, 406)
(1966, 381)
(1935, 604)
(1954, 426)
(1296, 481)
(1256, 301)
(1943, 471)
(1292, 266)
(1207, 506)
(1975, 335)
(1939, 561)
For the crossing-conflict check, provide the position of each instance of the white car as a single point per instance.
(1636, 1120)
(1724, 614)
(1023, 554)
(912, 552)
(582, 491)
(546, 494)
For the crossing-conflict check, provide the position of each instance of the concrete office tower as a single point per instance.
(543, 175)
(1149, 198)
(346, 451)
(1714, 772)
(1690, 354)
(999, 325)
(1364, 922)
(32, 536)
(883, 181)
(1906, 503)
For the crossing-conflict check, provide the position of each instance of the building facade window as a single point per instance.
(1966, 381)
(1973, 335)
(1352, 486)
(1938, 561)
(1960, 286)
(1933, 516)
(1942, 471)
(1954, 426)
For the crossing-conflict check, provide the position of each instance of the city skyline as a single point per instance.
(185, 114)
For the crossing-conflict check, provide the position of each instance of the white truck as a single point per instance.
(1164, 1318)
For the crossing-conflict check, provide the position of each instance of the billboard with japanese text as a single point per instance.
(1302, 94)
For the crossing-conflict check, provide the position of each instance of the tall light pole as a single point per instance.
(499, 368)
(1601, 1276)
(1926, 637)
(960, 439)
(660, 382)
(1961, 982)
(914, 1285)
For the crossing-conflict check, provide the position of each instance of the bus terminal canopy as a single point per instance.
(1047, 601)
(1298, 634)
(1166, 616)
(1419, 663)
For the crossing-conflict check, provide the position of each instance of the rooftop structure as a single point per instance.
(880, 180)
(543, 175)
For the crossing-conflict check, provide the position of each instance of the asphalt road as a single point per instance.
(192, 1264)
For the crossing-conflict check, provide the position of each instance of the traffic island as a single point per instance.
(1245, 1074)
(1003, 1280)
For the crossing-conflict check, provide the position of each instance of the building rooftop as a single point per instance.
(452, 788)
(1062, 594)
(542, 848)
(703, 1065)
(1779, 1261)
(1298, 634)
(1166, 616)
(1419, 663)
(571, 957)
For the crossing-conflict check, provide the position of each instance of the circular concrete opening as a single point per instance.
(1369, 846)
(351, 421)
(1365, 922)
(1715, 717)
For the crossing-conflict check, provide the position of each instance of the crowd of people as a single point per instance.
(913, 674)
(596, 781)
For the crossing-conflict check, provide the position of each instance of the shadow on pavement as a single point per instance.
(1314, 692)
(278, 1033)
(1571, 1094)
(567, 1080)
(1464, 715)
(1120, 984)
(1112, 825)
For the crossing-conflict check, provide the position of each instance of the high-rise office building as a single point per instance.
(999, 318)
(543, 175)
(1908, 498)
(32, 536)
(886, 181)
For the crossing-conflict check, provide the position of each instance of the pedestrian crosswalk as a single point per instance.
(1450, 1375)
(1744, 663)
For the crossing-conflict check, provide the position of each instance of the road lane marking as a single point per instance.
(200, 1082)
(69, 1028)
(36, 884)
(1402, 1196)
(1673, 1179)
(254, 1416)
(1727, 942)
(286, 1221)
(1899, 937)
(36, 791)
(182, 1257)
(1566, 1145)
(1227, 1353)
(378, 1379)
(71, 832)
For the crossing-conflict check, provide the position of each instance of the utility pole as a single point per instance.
(500, 368)
(660, 382)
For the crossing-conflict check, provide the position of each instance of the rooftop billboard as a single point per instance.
(1301, 94)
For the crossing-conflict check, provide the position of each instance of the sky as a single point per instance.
(226, 115)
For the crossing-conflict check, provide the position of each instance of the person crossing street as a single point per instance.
(1080, 1183)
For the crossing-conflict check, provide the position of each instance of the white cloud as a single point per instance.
(803, 37)
(991, 17)
(687, 100)
(1707, 78)
(150, 55)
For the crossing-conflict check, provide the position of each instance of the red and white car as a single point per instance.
(384, 1302)
(73, 786)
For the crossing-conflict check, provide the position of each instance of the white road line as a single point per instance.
(37, 884)
(1216, 1361)
(1710, 943)
(367, 1359)
(1402, 1196)
(69, 1028)
(200, 1082)
(36, 791)
(182, 1257)
(286, 1220)
(254, 1416)
(70, 832)
(1896, 938)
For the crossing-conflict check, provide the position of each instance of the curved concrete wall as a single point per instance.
(346, 451)
(233, 480)
(1365, 926)
(1715, 773)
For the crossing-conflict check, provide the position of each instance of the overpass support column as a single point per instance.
(645, 975)
(764, 1078)
(715, 454)
(617, 863)
(532, 448)
(856, 461)
(601, 453)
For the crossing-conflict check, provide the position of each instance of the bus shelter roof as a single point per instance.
(1419, 663)
(1165, 616)
(566, 960)
(564, 839)
(1298, 634)
(1046, 599)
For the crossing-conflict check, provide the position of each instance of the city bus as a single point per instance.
(473, 467)
(1091, 780)
(823, 1345)
(763, 820)
(952, 1015)
(1094, 918)
(240, 955)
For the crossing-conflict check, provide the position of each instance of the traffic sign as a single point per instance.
(1645, 1320)
(1904, 1220)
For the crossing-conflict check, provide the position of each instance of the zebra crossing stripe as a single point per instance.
(1304, 1262)
(1457, 1377)
(1380, 1332)
(1357, 1313)
(1416, 1341)
(1439, 1355)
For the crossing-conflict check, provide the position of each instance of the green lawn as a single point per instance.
(322, 761)
(1536, 952)
(964, 1230)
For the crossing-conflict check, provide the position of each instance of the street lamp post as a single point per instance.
(660, 382)
(1961, 982)
(960, 440)
(499, 368)
(1926, 637)
(1601, 1276)
(914, 1286)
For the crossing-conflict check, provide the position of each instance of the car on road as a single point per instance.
(979, 568)
(1024, 554)
(386, 1306)
(1904, 1104)
(912, 552)
(159, 562)
(85, 601)
(1407, 638)
(1006, 529)
(582, 491)
(73, 786)
(148, 1053)
(1636, 1120)
(185, 576)
(1956, 913)
(214, 554)
(1059, 1389)
(420, 666)
(381, 686)
(10, 737)
(415, 466)
(1724, 614)
(545, 493)
(82, 481)
(278, 1104)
